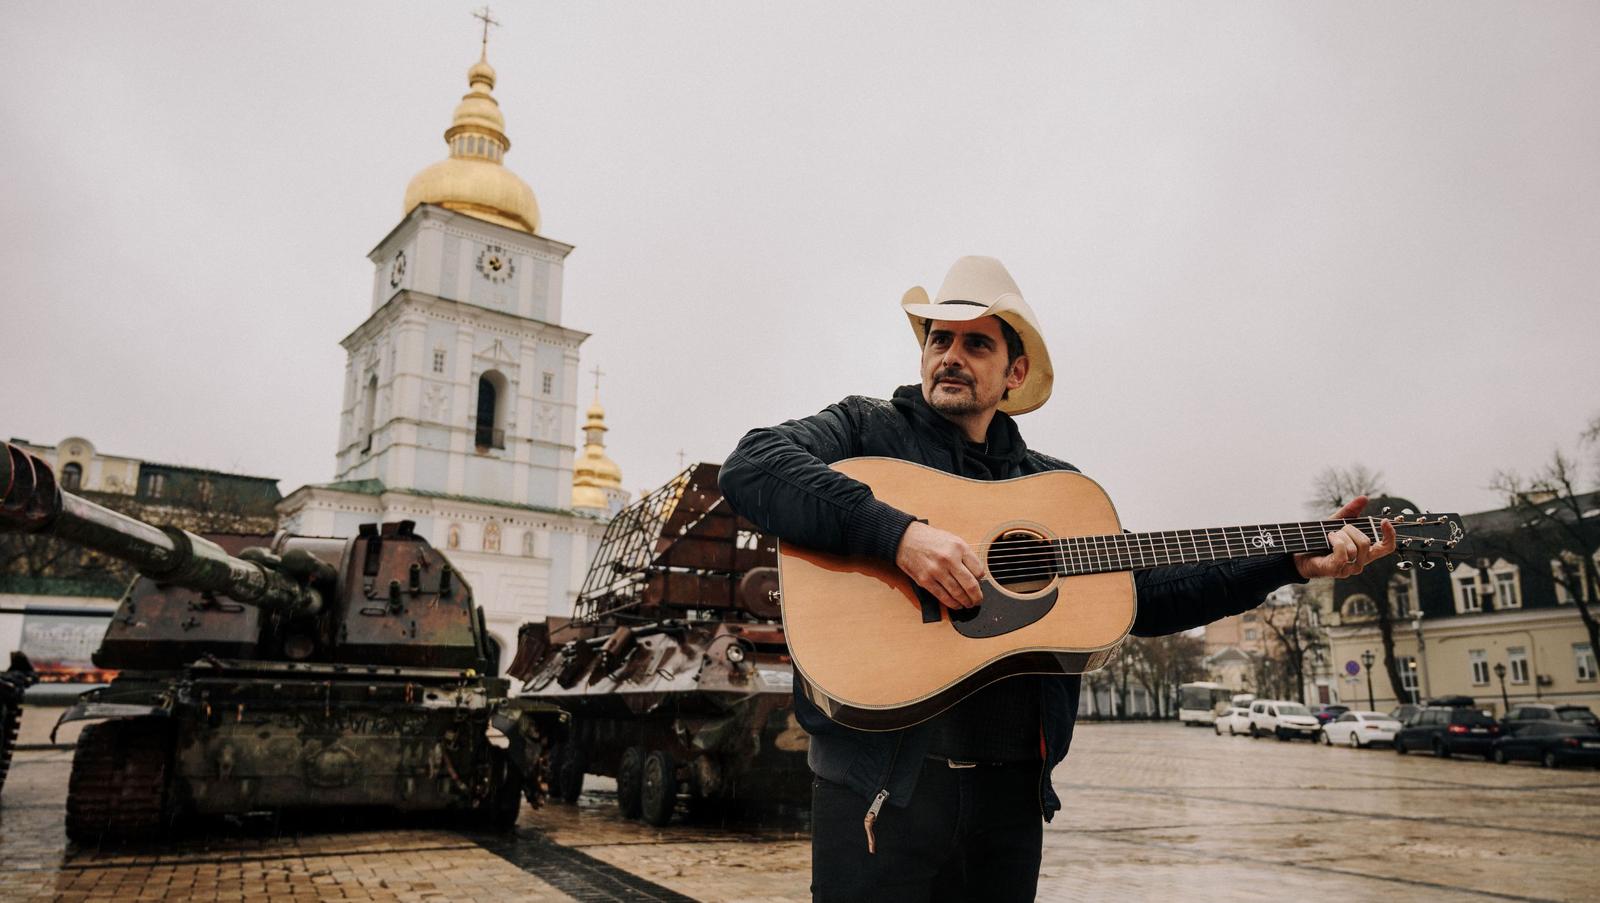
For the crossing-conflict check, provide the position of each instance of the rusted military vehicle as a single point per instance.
(310, 673)
(14, 681)
(674, 666)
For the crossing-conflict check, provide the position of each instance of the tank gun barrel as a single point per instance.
(31, 501)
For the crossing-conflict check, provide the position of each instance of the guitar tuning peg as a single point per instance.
(1404, 564)
(1385, 511)
(1450, 565)
(1429, 565)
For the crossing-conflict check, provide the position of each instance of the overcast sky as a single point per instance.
(1262, 238)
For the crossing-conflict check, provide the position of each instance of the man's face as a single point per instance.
(964, 367)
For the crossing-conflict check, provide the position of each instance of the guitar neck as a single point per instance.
(1137, 551)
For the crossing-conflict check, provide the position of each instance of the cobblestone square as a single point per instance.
(1153, 811)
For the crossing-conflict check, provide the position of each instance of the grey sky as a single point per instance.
(1262, 238)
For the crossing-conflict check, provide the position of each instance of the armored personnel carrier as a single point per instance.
(310, 673)
(674, 666)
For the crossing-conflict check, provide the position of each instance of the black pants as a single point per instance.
(969, 834)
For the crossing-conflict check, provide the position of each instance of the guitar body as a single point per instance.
(859, 630)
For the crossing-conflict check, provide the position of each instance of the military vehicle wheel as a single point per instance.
(658, 792)
(569, 766)
(630, 786)
(504, 802)
(118, 788)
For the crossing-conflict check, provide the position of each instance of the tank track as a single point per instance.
(118, 786)
(10, 721)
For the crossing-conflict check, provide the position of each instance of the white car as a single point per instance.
(1282, 719)
(1358, 729)
(1234, 720)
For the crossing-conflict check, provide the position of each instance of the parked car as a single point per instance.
(1282, 719)
(1235, 720)
(1329, 711)
(1453, 701)
(1447, 730)
(1553, 743)
(1360, 729)
(1404, 713)
(1524, 715)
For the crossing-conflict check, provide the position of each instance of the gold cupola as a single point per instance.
(596, 479)
(473, 180)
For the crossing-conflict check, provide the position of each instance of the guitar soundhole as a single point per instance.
(1022, 561)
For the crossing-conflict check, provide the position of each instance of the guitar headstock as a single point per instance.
(1424, 540)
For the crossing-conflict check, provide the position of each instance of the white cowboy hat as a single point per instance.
(980, 287)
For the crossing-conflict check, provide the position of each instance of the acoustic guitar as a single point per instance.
(876, 652)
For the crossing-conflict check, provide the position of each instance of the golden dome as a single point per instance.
(473, 180)
(593, 473)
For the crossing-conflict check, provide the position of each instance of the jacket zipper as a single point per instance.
(877, 801)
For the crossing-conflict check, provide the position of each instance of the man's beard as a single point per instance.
(957, 405)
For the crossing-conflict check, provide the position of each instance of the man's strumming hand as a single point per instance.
(1352, 550)
(941, 563)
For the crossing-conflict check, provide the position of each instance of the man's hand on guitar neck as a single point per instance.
(941, 563)
(1352, 550)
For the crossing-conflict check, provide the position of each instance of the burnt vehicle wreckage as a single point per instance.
(676, 672)
(314, 673)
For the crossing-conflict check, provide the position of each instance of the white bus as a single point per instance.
(1198, 701)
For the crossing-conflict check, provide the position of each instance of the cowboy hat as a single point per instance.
(980, 287)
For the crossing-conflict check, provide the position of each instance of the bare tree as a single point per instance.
(1551, 506)
(1297, 636)
(1161, 663)
(1335, 486)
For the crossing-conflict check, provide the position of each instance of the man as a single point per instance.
(951, 809)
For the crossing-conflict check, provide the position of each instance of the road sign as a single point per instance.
(1352, 668)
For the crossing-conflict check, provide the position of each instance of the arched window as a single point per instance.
(527, 544)
(453, 537)
(1360, 608)
(491, 537)
(72, 476)
(490, 427)
(369, 412)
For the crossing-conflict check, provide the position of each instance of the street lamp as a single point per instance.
(1367, 658)
(1500, 672)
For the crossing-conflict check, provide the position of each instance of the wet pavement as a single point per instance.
(1152, 811)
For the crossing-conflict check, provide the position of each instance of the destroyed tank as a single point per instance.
(312, 673)
(14, 681)
(674, 666)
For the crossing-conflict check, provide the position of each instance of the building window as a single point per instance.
(1250, 634)
(1507, 594)
(1568, 573)
(1408, 675)
(1583, 657)
(204, 490)
(1400, 590)
(438, 360)
(1480, 667)
(549, 382)
(369, 412)
(1250, 617)
(527, 544)
(72, 476)
(490, 429)
(1467, 594)
(154, 484)
(1360, 607)
(1517, 658)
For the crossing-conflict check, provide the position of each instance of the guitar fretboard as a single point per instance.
(1137, 551)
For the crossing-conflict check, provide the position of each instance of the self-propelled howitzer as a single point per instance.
(305, 673)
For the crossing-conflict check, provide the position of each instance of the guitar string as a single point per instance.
(1159, 541)
(1245, 532)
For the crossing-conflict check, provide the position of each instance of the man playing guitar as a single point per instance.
(952, 808)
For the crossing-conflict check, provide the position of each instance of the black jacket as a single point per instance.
(779, 479)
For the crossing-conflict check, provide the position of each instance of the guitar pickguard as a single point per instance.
(1000, 613)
